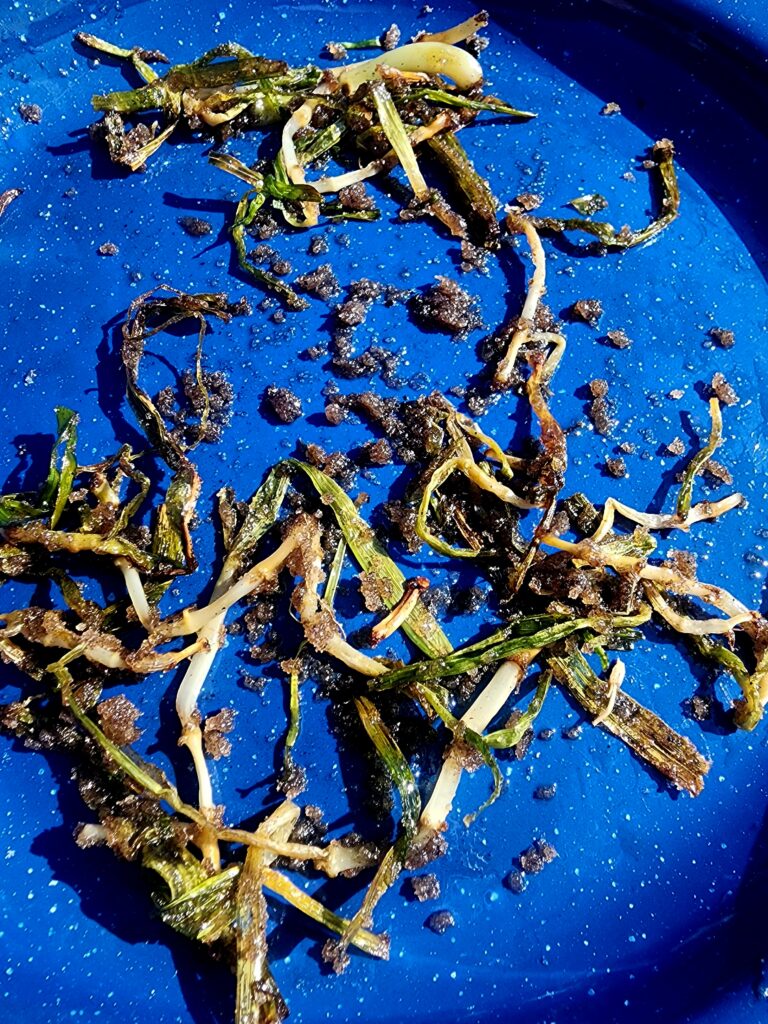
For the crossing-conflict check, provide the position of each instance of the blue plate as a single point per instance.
(655, 907)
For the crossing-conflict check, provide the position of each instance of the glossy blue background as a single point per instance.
(656, 905)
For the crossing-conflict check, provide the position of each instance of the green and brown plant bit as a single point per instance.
(221, 901)
(388, 106)
(560, 595)
(672, 755)
(661, 163)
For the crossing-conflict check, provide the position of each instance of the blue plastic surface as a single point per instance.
(656, 905)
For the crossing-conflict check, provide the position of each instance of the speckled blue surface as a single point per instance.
(656, 905)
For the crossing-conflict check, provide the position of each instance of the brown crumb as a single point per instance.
(473, 257)
(529, 201)
(440, 921)
(107, 249)
(425, 887)
(214, 733)
(31, 113)
(516, 882)
(281, 267)
(610, 109)
(536, 857)
(403, 517)
(332, 953)
(376, 591)
(619, 339)
(355, 197)
(318, 245)
(700, 708)
(292, 780)
(676, 447)
(285, 405)
(684, 562)
(572, 732)
(545, 792)
(723, 390)
(446, 307)
(722, 337)
(599, 410)
(336, 52)
(335, 413)
(195, 227)
(588, 311)
(390, 38)
(321, 282)
(616, 467)
(361, 294)
(118, 719)
(377, 453)
(718, 472)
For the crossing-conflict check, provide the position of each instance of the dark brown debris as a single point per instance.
(281, 267)
(423, 853)
(321, 282)
(516, 882)
(215, 731)
(353, 311)
(332, 953)
(404, 519)
(377, 453)
(529, 201)
(545, 792)
(355, 197)
(318, 245)
(700, 708)
(446, 307)
(30, 113)
(335, 464)
(599, 407)
(390, 38)
(195, 227)
(587, 311)
(118, 719)
(684, 562)
(440, 921)
(285, 405)
(619, 339)
(616, 467)
(473, 257)
(425, 887)
(722, 337)
(292, 780)
(718, 473)
(536, 857)
(107, 249)
(723, 390)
